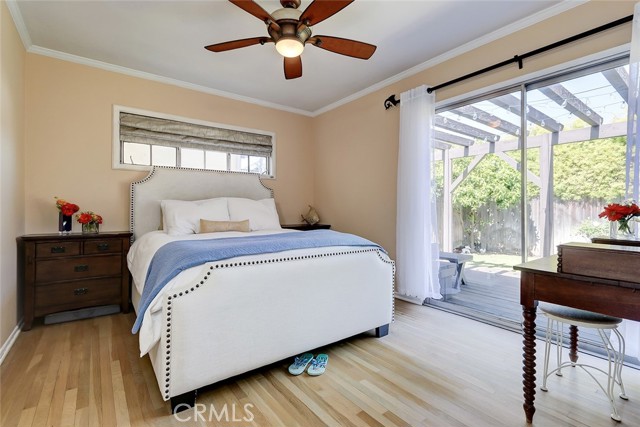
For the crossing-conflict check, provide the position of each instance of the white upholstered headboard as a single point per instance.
(167, 183)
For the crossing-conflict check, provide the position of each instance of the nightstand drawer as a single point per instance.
(56, 270)
(77, 294)
(57, 249)
(110, 246)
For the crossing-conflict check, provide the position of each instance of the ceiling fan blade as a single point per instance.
(320, 10)
(255, 9)
(342, 46)
(236, 44)
(292, 67)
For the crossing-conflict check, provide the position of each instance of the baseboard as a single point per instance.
(4, 350)
(412, 300)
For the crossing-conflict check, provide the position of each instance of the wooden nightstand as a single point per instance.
(306, 227)
(59, 273)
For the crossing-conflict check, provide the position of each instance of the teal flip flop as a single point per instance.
(300, 363)
(318, 365)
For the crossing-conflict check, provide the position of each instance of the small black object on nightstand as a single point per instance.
(306, 227)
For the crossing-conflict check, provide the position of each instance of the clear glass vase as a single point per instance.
(613, 229)
(90, 228)
(626, 230)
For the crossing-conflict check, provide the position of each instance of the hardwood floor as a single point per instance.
(433, 369)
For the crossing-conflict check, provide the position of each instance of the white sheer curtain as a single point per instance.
(631, 330)
(417, 250)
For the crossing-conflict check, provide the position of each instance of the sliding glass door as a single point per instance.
(479, 147)
(521, 171)
(581, 165)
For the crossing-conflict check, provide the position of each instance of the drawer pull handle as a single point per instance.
(103, 246)
(81, 268)
(58, 249)
(80, 291)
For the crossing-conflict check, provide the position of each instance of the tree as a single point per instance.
(582, 171)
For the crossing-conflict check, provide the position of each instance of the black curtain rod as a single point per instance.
(392, 101)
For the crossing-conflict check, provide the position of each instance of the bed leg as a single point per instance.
(183, 402)
(382, 331)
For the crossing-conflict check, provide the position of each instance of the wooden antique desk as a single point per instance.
(541, 281)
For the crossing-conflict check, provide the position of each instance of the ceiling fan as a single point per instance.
(290, 29)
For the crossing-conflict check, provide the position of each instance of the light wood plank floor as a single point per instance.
(434, 369)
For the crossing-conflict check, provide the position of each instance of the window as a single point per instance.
(506, 196)
(143, 139)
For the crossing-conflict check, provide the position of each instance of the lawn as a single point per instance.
(494, 260)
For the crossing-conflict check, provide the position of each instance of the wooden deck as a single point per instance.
(492, 295)
(489, 292)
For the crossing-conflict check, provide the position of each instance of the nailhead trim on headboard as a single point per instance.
(197, 285)
(132, 187)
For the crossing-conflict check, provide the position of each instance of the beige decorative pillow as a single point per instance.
(207, 226)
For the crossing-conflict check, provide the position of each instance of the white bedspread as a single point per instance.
(142, 252)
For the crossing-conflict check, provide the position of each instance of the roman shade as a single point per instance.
(141, 129)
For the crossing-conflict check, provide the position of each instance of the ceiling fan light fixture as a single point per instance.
(289, 47)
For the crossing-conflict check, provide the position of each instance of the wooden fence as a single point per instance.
(497, 230)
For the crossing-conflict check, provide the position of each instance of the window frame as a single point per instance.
(116, 147)
(560, 73)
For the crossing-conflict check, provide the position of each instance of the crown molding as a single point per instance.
(161, 79)
(14, 11)
(18, 21)
(495, 35)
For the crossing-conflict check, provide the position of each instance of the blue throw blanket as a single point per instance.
(175, 257)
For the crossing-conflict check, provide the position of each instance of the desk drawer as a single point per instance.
(107, 246)
(56, 270)
(57, 249)
(76, 294)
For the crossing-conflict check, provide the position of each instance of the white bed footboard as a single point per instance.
(229, 323)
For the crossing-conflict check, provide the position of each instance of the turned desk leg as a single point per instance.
(529, 362)
(573, 348)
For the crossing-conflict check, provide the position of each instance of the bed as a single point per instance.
(222, 318)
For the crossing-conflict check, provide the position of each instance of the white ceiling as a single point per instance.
(165, 40)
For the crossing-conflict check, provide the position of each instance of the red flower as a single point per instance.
(66, 208)
(88, 217)
(69, 209)
(84, 218)
(616, 212)
(621, 213)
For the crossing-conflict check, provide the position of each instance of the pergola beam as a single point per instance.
(512, 104)
(618, 77)
(561, 96)
(452, 125)
(465, 173)
(610, 130)
(481, 116)
(453, 139)
(441, 145)
(516, 165)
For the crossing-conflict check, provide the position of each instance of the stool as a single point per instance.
(557, 316)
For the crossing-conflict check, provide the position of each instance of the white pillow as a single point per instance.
(262, 214)
(183, 217)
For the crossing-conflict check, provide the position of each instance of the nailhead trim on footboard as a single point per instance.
(173, 297)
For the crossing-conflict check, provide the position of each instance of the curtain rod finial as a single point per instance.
(391, 102)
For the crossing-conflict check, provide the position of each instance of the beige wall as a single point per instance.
(343, 162)
(357, 144)
(69, 140)
(12, 63)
